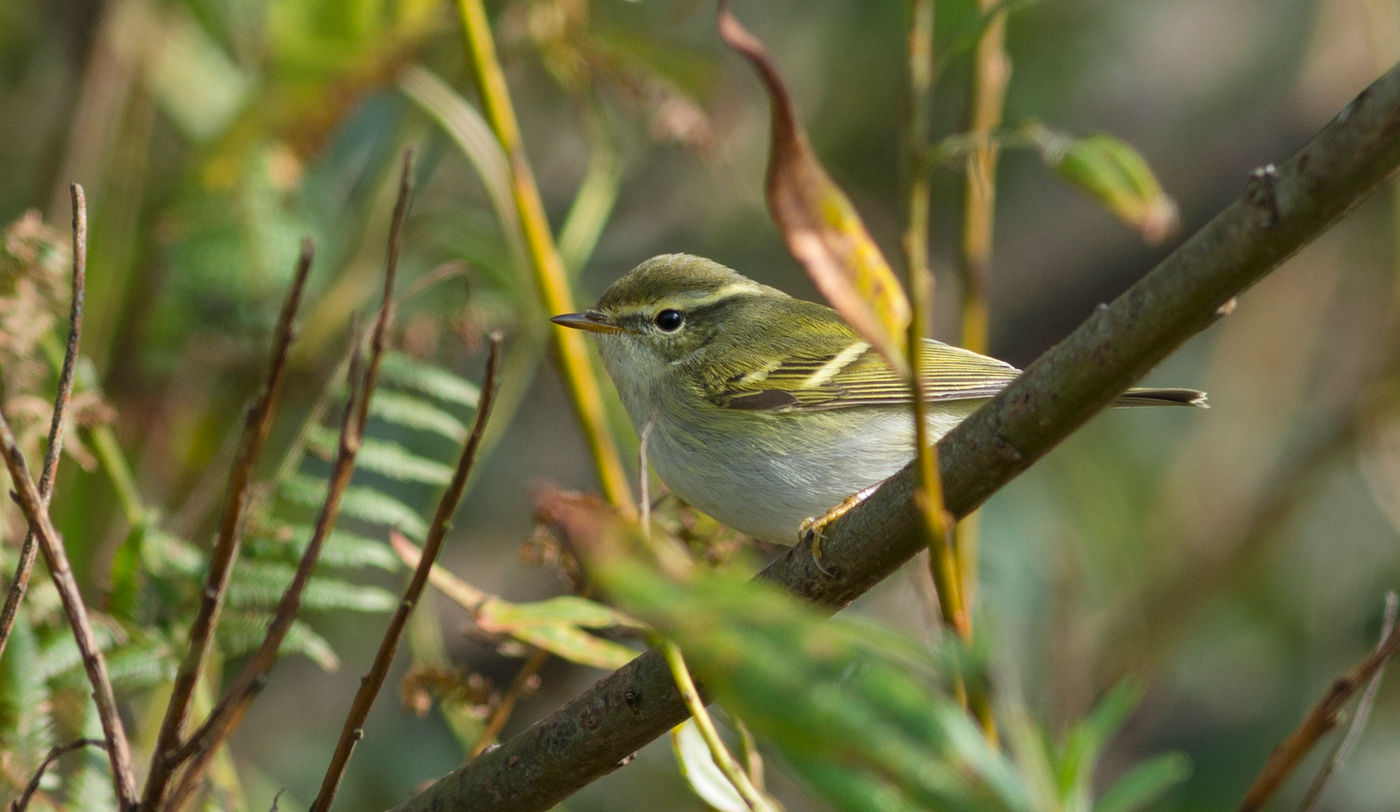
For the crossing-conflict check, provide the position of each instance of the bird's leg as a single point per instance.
(813, 529)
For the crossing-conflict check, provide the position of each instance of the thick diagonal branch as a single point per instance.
(1282, 209)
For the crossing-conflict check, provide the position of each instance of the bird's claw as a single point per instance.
(813, 529)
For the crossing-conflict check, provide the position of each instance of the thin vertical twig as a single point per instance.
(1358, 718)
(118, 750)
(929, 496)
(27, 552)
(362, 380)
(199, 749)
(991, 70)
(948, 576)
(255, 430)
(551, 279)
(1319, 721)
(506, 706)
(352, 731)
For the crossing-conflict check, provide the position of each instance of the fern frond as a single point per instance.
(287, 542)
(260, 585)
(408, 372)
(26, 726)
(140, 665)
(59, 657)
(241, 631)
(415, 413)
(167, 555)
(89, 786)
(382, 457)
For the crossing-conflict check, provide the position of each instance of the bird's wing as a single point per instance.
(857, 375)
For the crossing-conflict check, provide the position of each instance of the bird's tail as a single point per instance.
(1145, 396)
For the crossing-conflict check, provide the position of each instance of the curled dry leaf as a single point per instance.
(822, 228)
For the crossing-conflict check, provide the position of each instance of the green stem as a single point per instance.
(690, 695)
(921, 284)
(550, 277)
(990, 71)
(109, 455)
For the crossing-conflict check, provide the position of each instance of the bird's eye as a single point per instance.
(669, 321)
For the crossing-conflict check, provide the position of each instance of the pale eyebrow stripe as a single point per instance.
(716, 296)
(831, 368)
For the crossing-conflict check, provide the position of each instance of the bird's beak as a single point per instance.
(590, 320)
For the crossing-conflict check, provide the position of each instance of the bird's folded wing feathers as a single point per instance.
(858, 376)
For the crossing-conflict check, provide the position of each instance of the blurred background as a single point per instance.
(1233, 560)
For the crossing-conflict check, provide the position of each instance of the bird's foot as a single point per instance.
(813, 529)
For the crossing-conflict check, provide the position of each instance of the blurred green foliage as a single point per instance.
(1229, 562)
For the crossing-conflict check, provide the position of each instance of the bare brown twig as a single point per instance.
(370, 684)
(203, 743)
(1367, 701)
(1321, 719)
(118, 750)
(23, 570)
(57, 751)
(256, 426)
(503, 710)
(361, 382)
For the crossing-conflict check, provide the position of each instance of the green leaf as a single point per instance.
(415, 413)
(496, 615)
(382, 457)
(1145, 783)
(166, 554)
(374, 506)
(555, 625)
(193, 80)
(429, 379)
(595, 198)
(700, 771)
(575, 645)
(1114, 174)
(1087, 738)
(848, 717)
(551, 624)
(474, 137)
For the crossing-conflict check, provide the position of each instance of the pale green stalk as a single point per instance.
(915, 243)
(990, 71)
(550, 277)
(723, 759)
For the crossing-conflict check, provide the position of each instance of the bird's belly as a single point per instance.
(766, 489)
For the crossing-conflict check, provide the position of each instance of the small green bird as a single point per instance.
(765, 410)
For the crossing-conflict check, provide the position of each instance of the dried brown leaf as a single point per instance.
(822, 228)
